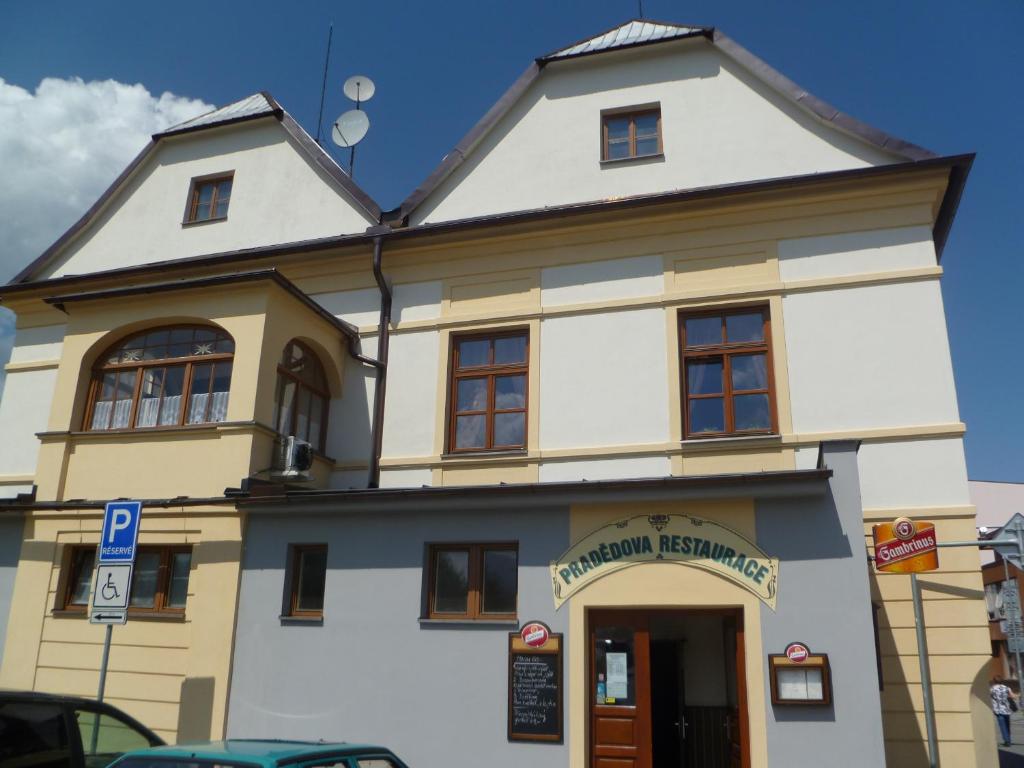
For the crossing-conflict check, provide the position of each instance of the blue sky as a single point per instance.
(942, 74)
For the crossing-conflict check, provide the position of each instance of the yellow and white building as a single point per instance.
(657, 283)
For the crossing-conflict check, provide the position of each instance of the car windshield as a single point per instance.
(163, 762)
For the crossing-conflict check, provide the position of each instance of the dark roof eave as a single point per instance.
(817, 107)
(234, 278)
(791, 482)
(777, 483)
(960, 163)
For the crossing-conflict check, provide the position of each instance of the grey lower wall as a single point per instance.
(825, 602)
(435, 694)
(11, 529)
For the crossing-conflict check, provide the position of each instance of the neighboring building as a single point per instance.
(659, 299)
(997, 503)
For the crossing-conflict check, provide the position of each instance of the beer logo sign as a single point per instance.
(797, 653)
(535, 634)
(903, 527)
(905, 546)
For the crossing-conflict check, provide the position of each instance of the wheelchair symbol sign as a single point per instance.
(113, 582)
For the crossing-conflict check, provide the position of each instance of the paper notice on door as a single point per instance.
(618, 684)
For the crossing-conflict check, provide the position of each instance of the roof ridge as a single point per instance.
(683, 28)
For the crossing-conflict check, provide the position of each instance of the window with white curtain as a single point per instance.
(161, 378)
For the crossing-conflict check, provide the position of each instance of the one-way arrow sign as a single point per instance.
(109, 617)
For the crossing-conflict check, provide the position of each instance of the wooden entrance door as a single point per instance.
(620, 690)
(621, 706)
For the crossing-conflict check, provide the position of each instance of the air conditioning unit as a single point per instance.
(292, 458)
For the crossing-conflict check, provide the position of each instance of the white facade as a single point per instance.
(719, 125)
(278, 196)
(25, 406)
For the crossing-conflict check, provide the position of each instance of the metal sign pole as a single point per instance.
(103, 684)
(926, 675)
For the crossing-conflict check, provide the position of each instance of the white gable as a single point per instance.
(720, 124)
(278, 196)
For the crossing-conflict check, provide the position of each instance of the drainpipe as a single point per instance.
(381, 363)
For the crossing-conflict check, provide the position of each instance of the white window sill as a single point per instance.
(469, 623)
(731, 439)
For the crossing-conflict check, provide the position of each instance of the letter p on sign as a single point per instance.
(122, 519)
(120, 531)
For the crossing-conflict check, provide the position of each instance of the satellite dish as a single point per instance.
(359, 88)
(350, 128)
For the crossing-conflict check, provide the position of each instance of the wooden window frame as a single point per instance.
(196, 185)
(138, 368)
(300, 385)
(490, 372)
(632, 113)
(474, 600)
(70, 571)
(163, 582)
(295, 555)
(726, 351)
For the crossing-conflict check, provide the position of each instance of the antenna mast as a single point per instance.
(323, 88)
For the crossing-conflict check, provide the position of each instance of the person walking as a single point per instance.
(1003, 704)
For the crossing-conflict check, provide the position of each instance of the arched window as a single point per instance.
(142, 381)
(300, 405)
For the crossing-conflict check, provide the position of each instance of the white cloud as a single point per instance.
(60, 147)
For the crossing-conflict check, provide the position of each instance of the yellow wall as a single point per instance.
(172, 674)
(663, 585)
(190, 461)
(958, 646)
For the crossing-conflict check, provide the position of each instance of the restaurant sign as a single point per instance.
(678, 539)
(905, 546)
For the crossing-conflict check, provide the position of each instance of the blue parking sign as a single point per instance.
(120, 531)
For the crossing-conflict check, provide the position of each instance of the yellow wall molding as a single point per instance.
(31, 365)
(687, 447)
(885, 514)
(874, 278)
(881, 434)
(674, 299)
(16, 479)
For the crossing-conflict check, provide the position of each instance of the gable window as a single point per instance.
(208, 198)
(159, 579)
(489, 392)
(727, 376)
(162, 378)
(300, 404)
(472, 581)
(308, 580)
(631, 134)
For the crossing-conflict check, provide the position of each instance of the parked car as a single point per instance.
(260, 753)
(44, 730)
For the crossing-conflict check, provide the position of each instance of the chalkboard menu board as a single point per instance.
(535, 690)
